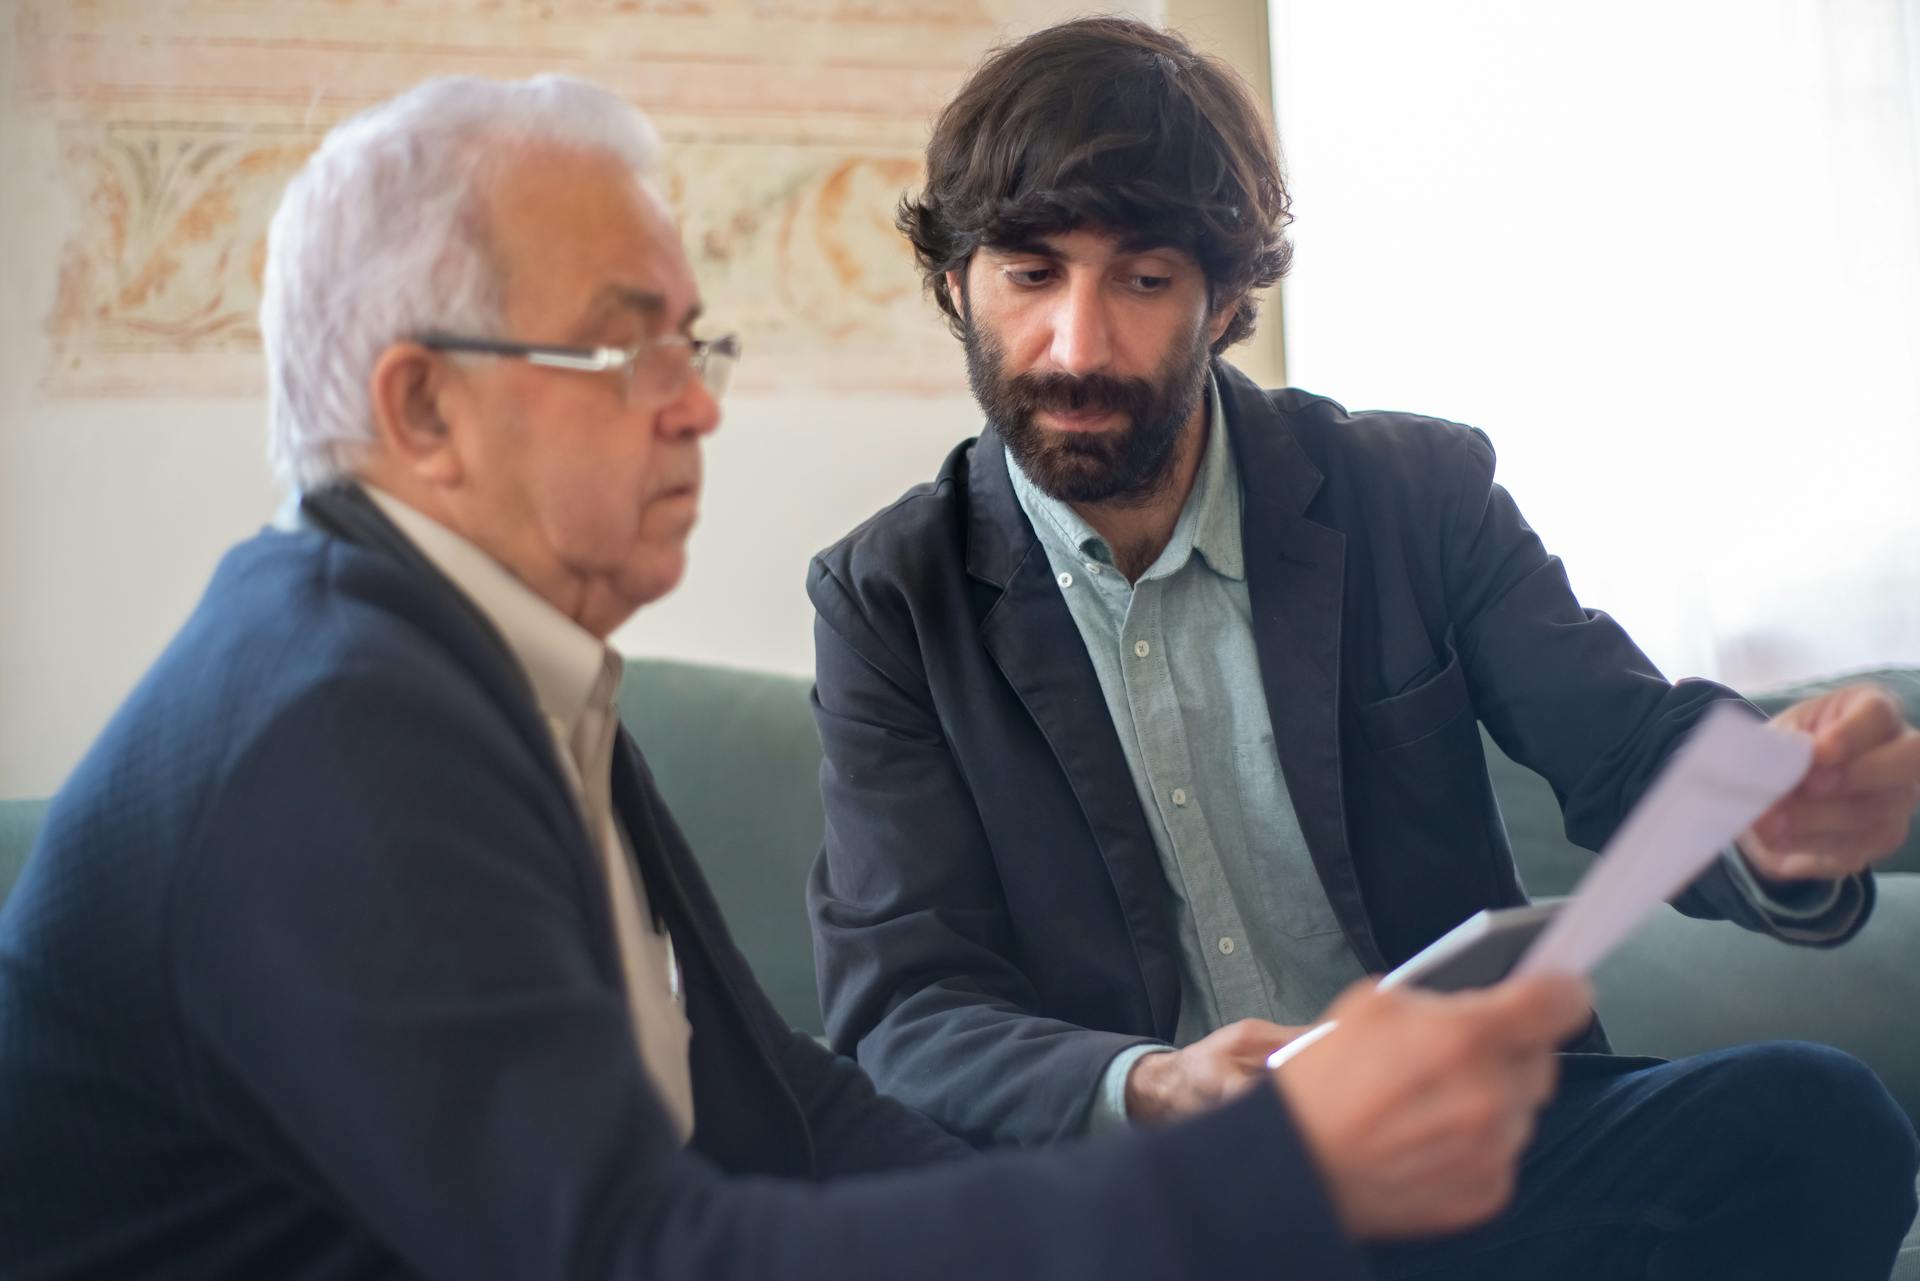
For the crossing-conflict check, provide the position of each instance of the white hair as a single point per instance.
(382, 237)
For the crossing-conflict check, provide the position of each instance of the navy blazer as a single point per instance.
(313, 974)
(991, 921)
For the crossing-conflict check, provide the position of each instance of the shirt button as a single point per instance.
(1141, 649)
(1226, 946)
(1093, 569)
(1066, 579)
(1179, 796)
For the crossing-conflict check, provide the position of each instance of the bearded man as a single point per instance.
(1152, 724)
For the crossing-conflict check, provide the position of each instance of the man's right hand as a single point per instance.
(1417, 1107)
(1171, 1084)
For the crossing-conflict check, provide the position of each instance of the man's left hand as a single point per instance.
(1854, 806)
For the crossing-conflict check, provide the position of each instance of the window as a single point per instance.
(1668, 257)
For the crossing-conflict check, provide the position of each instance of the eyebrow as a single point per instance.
(1040, 248)
(648, 304)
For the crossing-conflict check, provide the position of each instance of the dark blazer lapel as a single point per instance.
(1296, 584)
(1033, 639)
(677, 897)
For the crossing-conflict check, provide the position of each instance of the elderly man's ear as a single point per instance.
(414, 396)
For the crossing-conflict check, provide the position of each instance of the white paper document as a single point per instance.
(1729, 772)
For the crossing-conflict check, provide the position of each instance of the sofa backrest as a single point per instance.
(737, 758)
(19, 821)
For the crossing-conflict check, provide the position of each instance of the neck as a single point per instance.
(1138, 529)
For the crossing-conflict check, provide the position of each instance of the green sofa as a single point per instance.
(736, 755)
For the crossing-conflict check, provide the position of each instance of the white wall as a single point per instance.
(113, 513)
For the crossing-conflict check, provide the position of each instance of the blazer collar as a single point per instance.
(999, 535)
(1275, 471)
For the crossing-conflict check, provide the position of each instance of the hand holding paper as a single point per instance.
(1727, 774)
(1857, 802)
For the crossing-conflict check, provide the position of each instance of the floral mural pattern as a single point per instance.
(793, 127)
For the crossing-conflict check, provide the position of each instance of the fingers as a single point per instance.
(1850, 722)
(1252, 1034)
(1834, 837)
(1814, 867)
(1535, 1077)
(1539, 1011)
(1891, 767)
(1354, 996)
(1856, 804)
(1823, 827)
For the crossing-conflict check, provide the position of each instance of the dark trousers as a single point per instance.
(1781, 1160)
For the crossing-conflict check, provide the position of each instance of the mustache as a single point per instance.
(1067, 393)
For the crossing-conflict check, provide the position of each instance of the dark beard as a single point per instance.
(1128, 464)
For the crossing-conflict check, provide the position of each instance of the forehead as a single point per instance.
(572, 229)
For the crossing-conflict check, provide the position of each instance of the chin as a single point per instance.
(658, 573)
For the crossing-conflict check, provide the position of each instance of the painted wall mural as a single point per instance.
(792, 127)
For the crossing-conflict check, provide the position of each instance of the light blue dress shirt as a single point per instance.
(1175, 656)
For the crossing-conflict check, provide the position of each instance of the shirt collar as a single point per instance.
(571, 669)
(1216, 496)
(1209, 522)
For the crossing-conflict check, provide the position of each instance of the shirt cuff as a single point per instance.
(1109, 1110)
(1800, 910)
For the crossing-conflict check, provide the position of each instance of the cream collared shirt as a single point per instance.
(576, 679)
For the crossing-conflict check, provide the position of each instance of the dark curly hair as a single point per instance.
(1106, 123)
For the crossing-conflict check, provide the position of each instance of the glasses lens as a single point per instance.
(715, 364)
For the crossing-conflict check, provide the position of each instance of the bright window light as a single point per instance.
(1667, 255)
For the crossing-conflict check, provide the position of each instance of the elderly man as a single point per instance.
(360, 945)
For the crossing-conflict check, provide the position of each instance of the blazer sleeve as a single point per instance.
(1566, 692)
(915, 953)
(856, 1129)
(388, 994)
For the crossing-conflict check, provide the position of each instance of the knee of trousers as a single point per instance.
(1829, 1115)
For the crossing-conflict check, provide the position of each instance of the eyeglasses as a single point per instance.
(653, 371)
